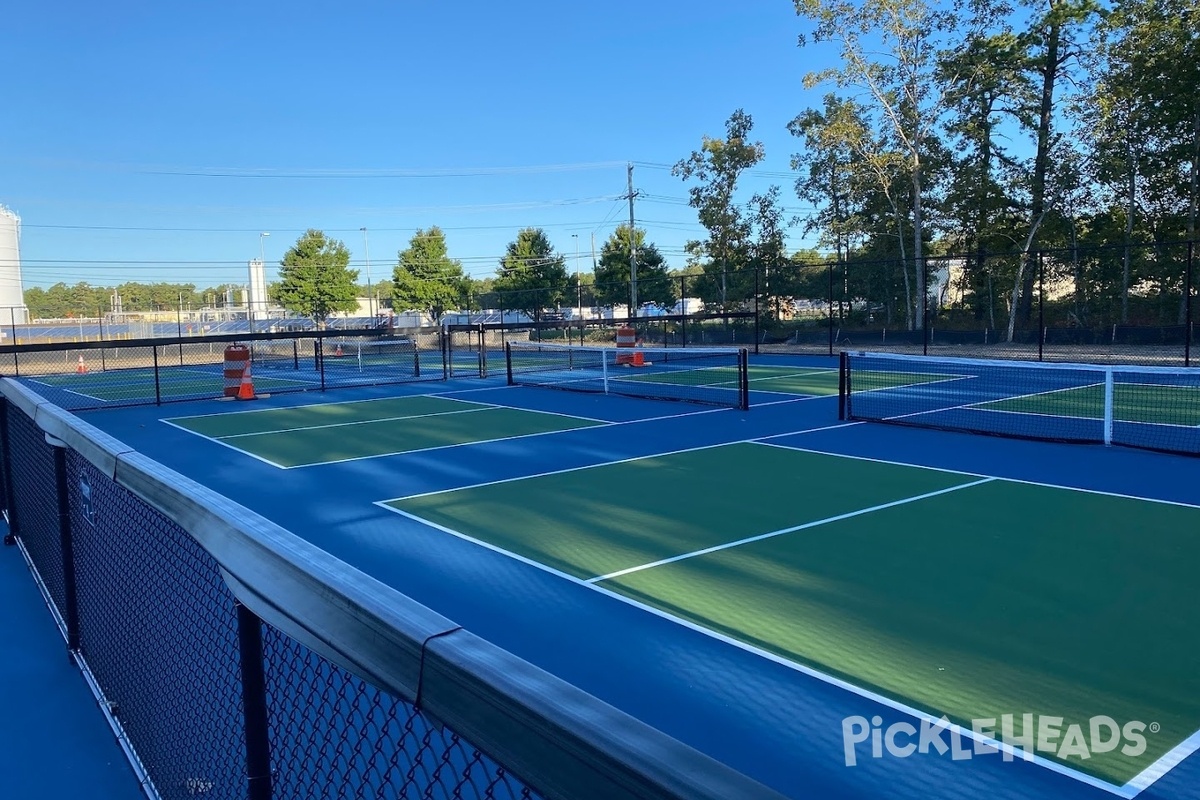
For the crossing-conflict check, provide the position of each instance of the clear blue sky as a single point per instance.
(387, 115)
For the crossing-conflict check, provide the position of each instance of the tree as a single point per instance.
(718, 165)
(425, 278)
(900, 80)
(612, 273)
(531, 276)
(315, 278)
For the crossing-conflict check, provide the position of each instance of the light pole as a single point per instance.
(370, 291)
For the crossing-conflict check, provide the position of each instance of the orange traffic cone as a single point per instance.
(81, 367)
(246, 390)
(339, 351)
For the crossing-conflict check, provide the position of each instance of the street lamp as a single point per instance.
(370, 291)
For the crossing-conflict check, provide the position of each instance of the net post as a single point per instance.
(319, 345)
(483, 371)
(295, 354)
(744, 379)
(1108, 406)
(416, 359)
(254, 702)
(604, 369)
(508, 362)
(842, 381)
(157, 382)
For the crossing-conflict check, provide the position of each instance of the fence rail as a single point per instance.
(234, 659)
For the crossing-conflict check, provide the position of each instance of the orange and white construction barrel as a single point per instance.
(237, 361)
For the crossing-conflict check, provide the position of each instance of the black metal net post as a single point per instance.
(254, 702)
(683, 311)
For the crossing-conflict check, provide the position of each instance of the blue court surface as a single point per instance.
(837, 609)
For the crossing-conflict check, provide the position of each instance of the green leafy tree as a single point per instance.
(425, 278)
(531, 277)
(612, 286)
(718, 165)
(315, 278)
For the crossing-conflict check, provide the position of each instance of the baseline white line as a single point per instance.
(1164, 764)
(911, 711)
(224, 444)
(794, 528)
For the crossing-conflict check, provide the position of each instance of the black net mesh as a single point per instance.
(333, 735)
(157, 630)
(33, 512)
(1146, 407)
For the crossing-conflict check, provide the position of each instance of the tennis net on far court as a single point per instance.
(714, 376)
(1156, 408)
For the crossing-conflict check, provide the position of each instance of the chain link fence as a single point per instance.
(234, 660)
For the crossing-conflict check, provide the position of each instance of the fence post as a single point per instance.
(12, 320)
(757, 328)
(842, 369)
(1187, 307)
(683, 308)
(925, 307)
(157, 382)
(1041, 304)
(831, 309)
(254, 703)
(10, 538)
(71, 610)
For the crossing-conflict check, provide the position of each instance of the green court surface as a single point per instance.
(138, 384)
(949, 593)
(1132, 402)
(330, 432)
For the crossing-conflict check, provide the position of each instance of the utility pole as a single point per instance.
(370, 289)
(633, 301)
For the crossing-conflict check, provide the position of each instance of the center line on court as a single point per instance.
(793, 529)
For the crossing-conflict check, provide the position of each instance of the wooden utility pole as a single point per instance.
(633, 301)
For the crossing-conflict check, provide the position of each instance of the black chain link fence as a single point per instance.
(108, 374)
(152, 579)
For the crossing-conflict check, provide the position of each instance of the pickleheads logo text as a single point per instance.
(1040, 735)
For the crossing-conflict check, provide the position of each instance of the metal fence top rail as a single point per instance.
(553, 735)
(170, 341)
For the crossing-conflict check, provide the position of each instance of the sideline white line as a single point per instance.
(1165, 763)
(1043, 485)
(223, 444)
(805, 526)
(908, 710)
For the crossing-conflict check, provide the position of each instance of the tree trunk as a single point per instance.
(1194, 196)
(1023, 290)
(918, 230)
(1012, 309)
(1130, 192)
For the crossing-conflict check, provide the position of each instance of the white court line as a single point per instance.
(910, 711)
(451, 446)
(354, 422)
(804, 526)
(223, 444)
(1164, 764)
(1099, 492)
(323, 405)
(69, 391)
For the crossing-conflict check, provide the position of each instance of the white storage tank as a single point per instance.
(12, 294)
